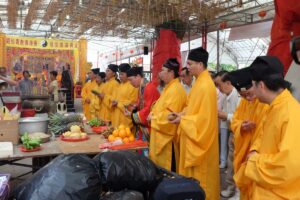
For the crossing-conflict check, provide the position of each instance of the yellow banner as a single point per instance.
(27, 42)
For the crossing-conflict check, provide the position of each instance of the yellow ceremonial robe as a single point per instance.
(109, 88)
(163, 133)
(125, 95)
(274, 170)
(198, 132)
(246, 111)
(95, 104)
(86, 93)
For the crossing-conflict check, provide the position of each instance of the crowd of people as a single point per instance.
(29, 86)
(198, 122)
(245, 121)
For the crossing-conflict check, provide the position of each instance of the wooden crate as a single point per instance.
(9, 131)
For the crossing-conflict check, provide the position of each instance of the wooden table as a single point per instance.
(53, 148)
(57, 146)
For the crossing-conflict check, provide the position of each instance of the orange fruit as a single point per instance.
(116, 133)
(122, 133)
(131, 138)
(111, 138)
(128, 132)
(126, 140)
(121, 127)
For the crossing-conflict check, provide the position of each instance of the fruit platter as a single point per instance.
(74, 135)
(121, 133)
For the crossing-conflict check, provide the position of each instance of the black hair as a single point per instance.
(26, 71)
(186, 71)
(275, 82)
(212, 74)
(176, 73)
(224, 75)
(54, 73)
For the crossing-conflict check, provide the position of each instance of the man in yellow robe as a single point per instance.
(198, 128)
(164, 148)
(124, 96)
(110, 86)
(273, 162)
(95, 104)
(245, 122)
(86, 93)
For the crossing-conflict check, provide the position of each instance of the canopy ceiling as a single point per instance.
(136, 19)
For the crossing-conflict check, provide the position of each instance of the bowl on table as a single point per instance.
(99, 129)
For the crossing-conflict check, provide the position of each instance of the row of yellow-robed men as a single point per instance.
(188, 126)
(177, 122)
(265, 126)
(104, 97)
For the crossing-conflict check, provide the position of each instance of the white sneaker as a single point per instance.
(236, 196)
(229, 192)
(222, 166)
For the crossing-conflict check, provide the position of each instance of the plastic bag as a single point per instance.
(67, 177)
(4, 186)
(126, 170)
(124, 195)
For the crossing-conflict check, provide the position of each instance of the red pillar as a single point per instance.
(165, 47)
(286, 24)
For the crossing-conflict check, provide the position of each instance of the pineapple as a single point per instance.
(58, 123)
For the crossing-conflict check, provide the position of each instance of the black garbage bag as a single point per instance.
(121, 170)
(124, 195)
(67, 177)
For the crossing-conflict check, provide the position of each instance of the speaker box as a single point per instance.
(146, 50)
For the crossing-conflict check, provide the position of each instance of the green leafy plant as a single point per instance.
(30, 143)
(96, 122)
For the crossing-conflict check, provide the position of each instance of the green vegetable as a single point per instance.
(96, 122)
(30, 143)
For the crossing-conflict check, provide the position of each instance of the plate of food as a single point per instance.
(30, 144)
(74, 137)
(99, 129)
(24, 149)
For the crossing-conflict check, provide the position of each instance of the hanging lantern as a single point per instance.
(114, 54)
(262, 13)
(223, 25)
(131, 51)
(121, 54)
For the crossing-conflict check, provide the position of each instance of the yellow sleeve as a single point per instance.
(241, 140)
(84, 91)
(278, 169)
(108, 95)
(237, 120)
(160, 116)
(200, 129)
(131, 98)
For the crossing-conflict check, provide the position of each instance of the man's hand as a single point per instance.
(252, 153)
(87, 100)
(248, 126)
(174, 118)
(127, 112)
(101, 95)
(222, 115)
(114, 103)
